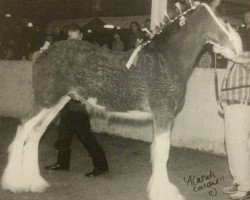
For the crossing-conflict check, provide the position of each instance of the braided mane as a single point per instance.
(167, 23)
(161, 29)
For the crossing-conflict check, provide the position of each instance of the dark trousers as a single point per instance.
(78, 122)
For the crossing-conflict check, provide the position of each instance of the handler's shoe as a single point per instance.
(56, 167)
(63, 161)
(97, 172)
(231, 189)
(240, 195)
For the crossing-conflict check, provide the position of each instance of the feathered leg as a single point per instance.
(159, 187)
(22, 170)
(34, 182)
(12, 178)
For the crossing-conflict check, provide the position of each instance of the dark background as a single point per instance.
(46, 10)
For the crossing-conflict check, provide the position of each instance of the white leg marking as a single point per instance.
(22, 170)
(14, 165)
(12, 178)
(159, 187)
(33, 180)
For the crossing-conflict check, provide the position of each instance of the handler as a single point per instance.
(75, 120)
(235, 96)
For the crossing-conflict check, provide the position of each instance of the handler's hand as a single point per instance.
(227, 52)
(217, 48)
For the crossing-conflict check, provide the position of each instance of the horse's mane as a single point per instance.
(172, 26)
(169, 27)
(166, 32)
(152, 56)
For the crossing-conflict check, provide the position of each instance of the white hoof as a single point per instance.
(163, 190)
(36, 184)
(12, 178)
(12, 182)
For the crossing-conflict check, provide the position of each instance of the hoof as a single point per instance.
(12, 178)
(163, 191)
(36, 184)
(12, 183)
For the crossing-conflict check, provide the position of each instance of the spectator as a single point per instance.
(49, 40)
(244, 32)
(118, 44)
(56, 33)
(136, 35)
(2, 47)
(74, 32)
(64, 33)
(9, 51)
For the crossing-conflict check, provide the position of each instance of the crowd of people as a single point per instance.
(20, 43)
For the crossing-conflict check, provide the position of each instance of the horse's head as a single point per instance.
(218, 32)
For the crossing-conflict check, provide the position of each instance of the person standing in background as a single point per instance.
(76, 120)
(244, 32)
(117, 44)
(136, 35)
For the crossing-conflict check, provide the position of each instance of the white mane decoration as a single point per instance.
(158, 11)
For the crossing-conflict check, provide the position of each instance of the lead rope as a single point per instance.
(217, 96)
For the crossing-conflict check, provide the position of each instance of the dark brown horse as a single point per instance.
(79, 70)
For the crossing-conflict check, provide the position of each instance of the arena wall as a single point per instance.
(16, 96)
(197, 126)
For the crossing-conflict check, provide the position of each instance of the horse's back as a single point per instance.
(75, 64)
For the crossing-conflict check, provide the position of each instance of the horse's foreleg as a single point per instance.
(159, 187)
(12, 178)
(34, 182)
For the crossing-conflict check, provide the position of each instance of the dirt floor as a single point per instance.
(130, 170)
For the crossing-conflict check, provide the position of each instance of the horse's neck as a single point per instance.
(183, 53)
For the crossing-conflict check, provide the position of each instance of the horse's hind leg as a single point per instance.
(12, 178)
(34, 182)
(16, 176)
(159, 187)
